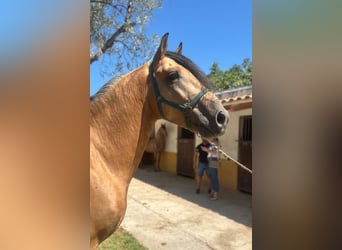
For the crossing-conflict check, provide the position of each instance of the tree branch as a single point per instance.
(102, 1)
(108, 2)
(123, 28)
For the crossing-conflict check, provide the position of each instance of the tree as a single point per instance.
(216, 74)
(117, 30)
(235, 77)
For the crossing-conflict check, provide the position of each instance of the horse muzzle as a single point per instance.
(222, 118)
(210, 125)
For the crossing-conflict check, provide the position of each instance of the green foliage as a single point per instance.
(122, 240)
(117, 33)
(235, 77)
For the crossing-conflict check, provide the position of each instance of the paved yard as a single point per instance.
(164, 212)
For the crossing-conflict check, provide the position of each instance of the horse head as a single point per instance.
(182, 93)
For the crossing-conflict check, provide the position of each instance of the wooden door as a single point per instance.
(185, 152)
(245, 153)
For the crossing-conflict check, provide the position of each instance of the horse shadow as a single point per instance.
(232, 204)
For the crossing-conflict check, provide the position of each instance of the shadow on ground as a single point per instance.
(234, 205)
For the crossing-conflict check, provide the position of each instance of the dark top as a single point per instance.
(203, 156)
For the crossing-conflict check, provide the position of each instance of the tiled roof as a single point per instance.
(236, 98)
(243, 93)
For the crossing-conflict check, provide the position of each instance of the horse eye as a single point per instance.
(173, 75)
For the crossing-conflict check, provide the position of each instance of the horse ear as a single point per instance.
(161, 50)
(179, 50)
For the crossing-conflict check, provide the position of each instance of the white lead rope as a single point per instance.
(230, 158)
(238, 163)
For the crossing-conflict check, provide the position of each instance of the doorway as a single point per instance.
(185, 152)
(245, 153)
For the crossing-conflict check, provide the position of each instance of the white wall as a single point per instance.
(229, 141)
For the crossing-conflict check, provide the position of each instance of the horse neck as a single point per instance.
(121, 122)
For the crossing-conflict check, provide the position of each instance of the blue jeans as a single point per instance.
(214, 179)
(203, 167)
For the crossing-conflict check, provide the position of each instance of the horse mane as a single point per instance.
(105, 88)
(192, 67)
(180, 59)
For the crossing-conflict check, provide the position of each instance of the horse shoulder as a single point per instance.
(107, 204)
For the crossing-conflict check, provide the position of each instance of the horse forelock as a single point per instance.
(192, 67)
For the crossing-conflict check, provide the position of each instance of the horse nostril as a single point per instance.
(220, 118)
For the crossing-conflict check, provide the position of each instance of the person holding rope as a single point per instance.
(202, 164)
(213, 159)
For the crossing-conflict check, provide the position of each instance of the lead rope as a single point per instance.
(231, 158)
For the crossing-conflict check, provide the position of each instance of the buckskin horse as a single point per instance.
(122, 115)
(156, 145)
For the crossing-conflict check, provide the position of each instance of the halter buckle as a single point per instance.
(187, 109)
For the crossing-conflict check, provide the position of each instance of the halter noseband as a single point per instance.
(186, 108)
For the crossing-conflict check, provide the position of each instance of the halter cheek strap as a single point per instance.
(186, 108)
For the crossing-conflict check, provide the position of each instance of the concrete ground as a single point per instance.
(164, 212)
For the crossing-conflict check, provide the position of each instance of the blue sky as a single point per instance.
(211, 31)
